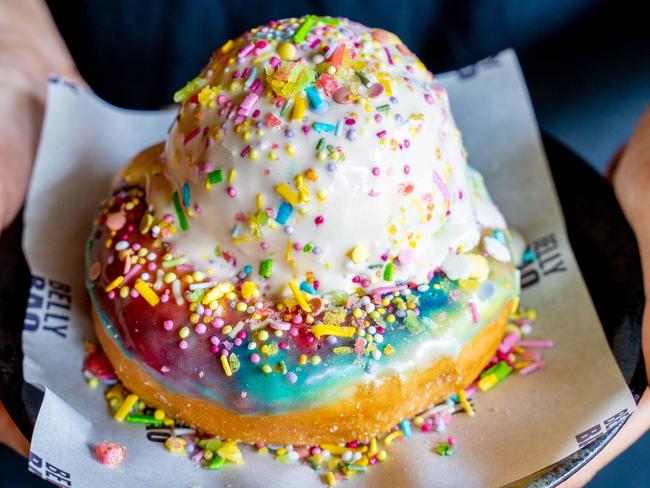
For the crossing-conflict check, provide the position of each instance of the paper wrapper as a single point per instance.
(523, 425)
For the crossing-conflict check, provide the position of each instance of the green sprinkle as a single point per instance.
(301, 34)
(283, 367)
(321, 144)
(262, 218)
(362, 77)
(215, 176)
(197, 295)
(412, 323)
(234, 362)
(308, 247)
(352, 467)
(286, 107)
(313, 462)
(216, 462)
(170, 263)
(143, 419)
(188, 90)
(383, 108)
(388, 271)
(182, 220)
(266, 266)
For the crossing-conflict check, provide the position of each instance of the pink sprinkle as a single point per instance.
(232, 191)
(507, 343)
(382, 290)
(255, 358)
(407, 169)
(537, 344)
(132, 272)
(191, 136)
(280, 325)
(319, 220)
(381, 133)
(365, 283)
(531, 367)
(111, 295)
(471, 389)
(215, 340)
(275, 62)
(475, 316)
(441, 186)
(376, 171)
(246, 50)
(110, 453)
(426, 427)
(134, 293)
(390, 58)
(164, 298)
(183, 344)
(246, 150)
(283, 345)
(452, 441)
(297, 319)
(297, 246)
(315, 43)
(218, 322)
(200, 329)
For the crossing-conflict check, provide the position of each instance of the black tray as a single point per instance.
(602, 241)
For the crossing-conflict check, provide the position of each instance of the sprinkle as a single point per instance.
(188, 90)
(331, 479)
(226, 365)
(388, 271)
(534, 366)
(383, 108)
(332, 330)
(284, 212)
(287, 193)
(537, 344)
(307, 288)
(406, 428)
(299, 296)
(317, 103)
(147, 293)
(323, 127)
(215, 176)
(299, 107)
(462, 398)
(114, 284)
(494, 375)
(266, 266)
(476, 318)
(246, 50)
(144, 419)
(362, 77)
(301, 34)
(191, 136)
(359, 254)
(248, 289)
(286, 51)
(388, 440)
(245, 151)
(286, 107)
(175, 445)
(179, 212)
(128, 403)
(110, 453)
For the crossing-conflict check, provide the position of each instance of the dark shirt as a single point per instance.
(136, 53)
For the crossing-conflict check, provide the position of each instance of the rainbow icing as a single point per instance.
(310, 225)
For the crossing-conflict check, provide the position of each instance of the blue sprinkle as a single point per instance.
(307, 288)
(317, 103)
(529, 256)
(339, 129)
(323, 127)
(284, 212)
(186, 194)
(251, 78)
(486, 291)
(500, 236)
(406, 428)
(248, 269)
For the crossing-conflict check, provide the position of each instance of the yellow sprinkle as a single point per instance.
(227, 46)
(381, 455)
(263, 450)
(331, 479)
(159, 414)
(260, 202)
(299, 106)
(147, 293)
(338, 450)
(359, 254)
(114, 284)
(332, 330)
(175, 445)
(231, 176)
(302, 359)
(247, 289)
(125, 408)
(262, 335)
(226, 365)
(124, 291)
(388, 440)
(389, 350)
(287, 193)
(286, 51)
(239, 240)
(299, 296)
(372, 450)
(462, 398)
(266, 368)
(303, 191)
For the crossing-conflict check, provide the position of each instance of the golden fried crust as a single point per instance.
(373, 409)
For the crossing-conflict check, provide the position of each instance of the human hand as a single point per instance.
(30, 49)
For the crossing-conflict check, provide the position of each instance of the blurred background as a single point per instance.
(586, 62)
